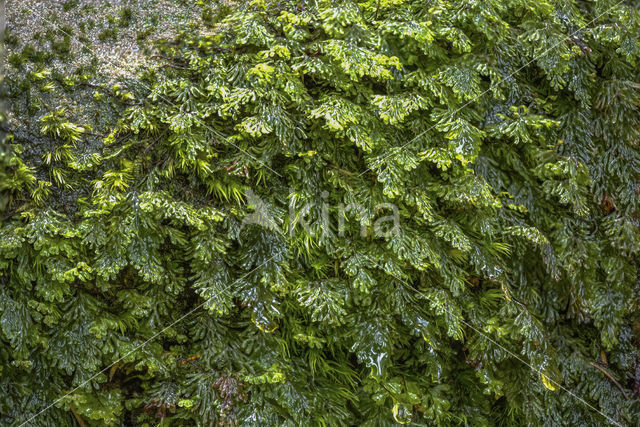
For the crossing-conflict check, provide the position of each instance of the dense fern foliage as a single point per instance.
(336, 213)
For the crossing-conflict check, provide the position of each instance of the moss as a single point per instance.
(109, 33)
(207, 15)
(50, 35)
(67, 30)
(211, 17)
(69, 4)
(24, 85)
(84, 73)
(62, 47)
(66, 81)
(16, 60)
(10, 39)
(143, 34)
(111, 20)
(125, 17)
(52, 17)
(30, 53)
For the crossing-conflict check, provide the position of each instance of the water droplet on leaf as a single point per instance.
(264, 323)
(548, 383)
(550, 375)
(401, 413)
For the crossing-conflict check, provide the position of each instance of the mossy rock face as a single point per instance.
(320, 213)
